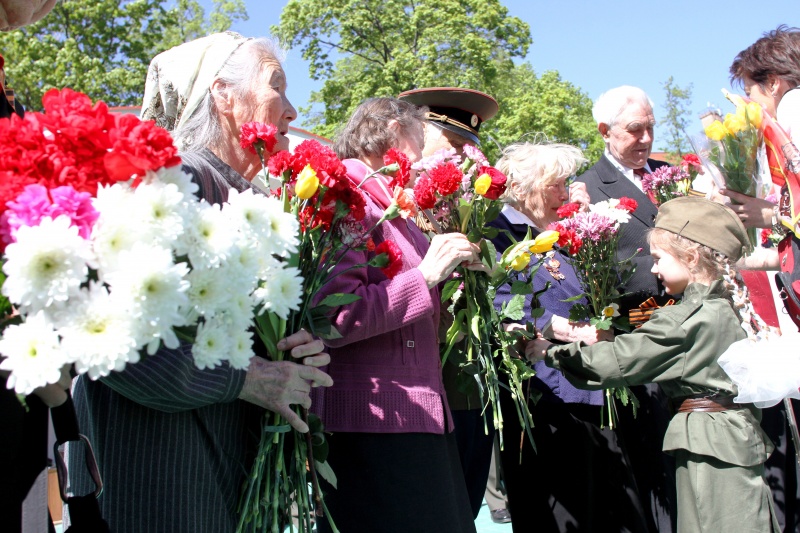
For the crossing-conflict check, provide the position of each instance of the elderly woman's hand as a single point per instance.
(566, 331)
(277, 385)
(579, 194)
(444, 255)
(536, 349)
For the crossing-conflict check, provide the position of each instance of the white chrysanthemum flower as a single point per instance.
(174, 175)
(212, 344)
(209, 290)
(153, 289)
(281, 293)
(160, 212)
(46, 265)
(32, 354)
(211, 238)
(285, 229)
(249, 211)
(241, 350)
(97, 333)
(247, 263)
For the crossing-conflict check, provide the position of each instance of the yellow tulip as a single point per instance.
(483, 183)
(544, 242)
(734, 123)
(521, 261)
(753, 111)
(307, 183)
(716, 131)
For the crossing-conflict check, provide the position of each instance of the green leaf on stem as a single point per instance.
(475, 235)
(515, 308)
(450, 289)
(490, 232)
(521, 287)
(339, 298)
(325, 471)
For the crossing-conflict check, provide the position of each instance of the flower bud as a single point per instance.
(544, 242)
(482, 184)
(307, 183)
(521, 261)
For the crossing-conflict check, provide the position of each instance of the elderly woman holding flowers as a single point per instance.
(392, 447)
(577, 477)
(174, 441)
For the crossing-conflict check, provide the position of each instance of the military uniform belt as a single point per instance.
(712, 404)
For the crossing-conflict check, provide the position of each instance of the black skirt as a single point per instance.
(396, 482)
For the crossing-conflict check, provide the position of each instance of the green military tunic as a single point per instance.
(719, 455)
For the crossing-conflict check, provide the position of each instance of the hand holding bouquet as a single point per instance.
(591, 239)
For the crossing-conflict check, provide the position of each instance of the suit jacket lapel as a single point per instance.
(616, 185)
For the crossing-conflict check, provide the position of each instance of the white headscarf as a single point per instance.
(179, 79)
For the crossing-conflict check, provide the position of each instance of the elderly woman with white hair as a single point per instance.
(576, 479)
(174, 443)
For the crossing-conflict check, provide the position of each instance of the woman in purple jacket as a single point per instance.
(391, 443)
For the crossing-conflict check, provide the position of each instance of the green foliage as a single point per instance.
(541, 107)
(103, 47)
(366, 48)
(677, 103)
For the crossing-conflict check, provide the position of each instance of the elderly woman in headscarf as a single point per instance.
(577, 477)
(174, 443)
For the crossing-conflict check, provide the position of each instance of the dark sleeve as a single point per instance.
(170, 381)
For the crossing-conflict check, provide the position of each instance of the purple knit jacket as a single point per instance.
(386, 371)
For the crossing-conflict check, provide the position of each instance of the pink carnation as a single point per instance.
(36, 203)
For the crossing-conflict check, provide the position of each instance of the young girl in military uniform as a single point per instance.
(718, 445)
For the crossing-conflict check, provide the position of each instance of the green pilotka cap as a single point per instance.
(705, 222)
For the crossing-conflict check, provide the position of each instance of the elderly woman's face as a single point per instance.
(268, 103)
(17, 13)
(542, 204)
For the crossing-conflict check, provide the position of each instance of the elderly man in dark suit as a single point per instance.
(624, 117)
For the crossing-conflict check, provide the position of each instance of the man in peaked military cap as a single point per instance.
(454, 119)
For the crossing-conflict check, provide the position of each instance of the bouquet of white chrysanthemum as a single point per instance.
(103, 261)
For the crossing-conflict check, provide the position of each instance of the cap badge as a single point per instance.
(474, 120)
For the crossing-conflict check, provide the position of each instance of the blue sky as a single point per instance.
(598, 45)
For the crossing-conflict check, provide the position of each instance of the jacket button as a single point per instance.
(410, 344)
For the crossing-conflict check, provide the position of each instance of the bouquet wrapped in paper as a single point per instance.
(590, 239)
(107, 252)
(730, 149)
(313, 189)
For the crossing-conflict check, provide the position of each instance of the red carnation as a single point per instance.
(628, 204)
(567, 210)
(403, 174)
(138, 146)
(254, 133)
(446, 178)
(692, 162)
(322, 159)
(395, 256)
(279, 163)
(498, 186)
(72, 117)
(424, 193)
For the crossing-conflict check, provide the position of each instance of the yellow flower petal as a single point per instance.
(521, 261)
(307, 183)
(734, 123)
(544, 242)
(716, 131)
(483, 183)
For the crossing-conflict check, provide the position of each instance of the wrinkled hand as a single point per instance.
(753, 212)
(277, 385)
(579, 194)
(536, 349)
(445, 254)
(566, 331)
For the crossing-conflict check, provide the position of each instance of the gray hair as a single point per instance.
(533, 166)
(239, 73)
(611, 103)
(367, 133)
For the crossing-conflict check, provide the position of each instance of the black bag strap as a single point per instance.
(84, 511)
